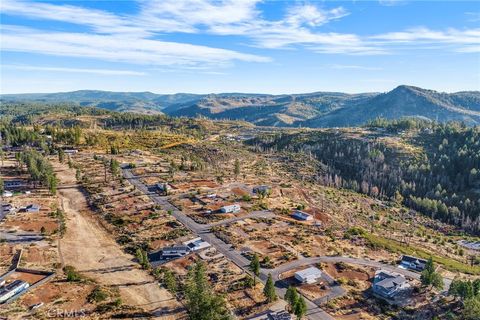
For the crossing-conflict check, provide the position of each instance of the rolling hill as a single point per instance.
(318, 109)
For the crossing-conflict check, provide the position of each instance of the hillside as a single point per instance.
(427, 166)
(318, 109)
(406, 101)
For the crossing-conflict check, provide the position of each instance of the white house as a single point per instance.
(300, 215)
(196, 244)
(309, 275)
(233, 208)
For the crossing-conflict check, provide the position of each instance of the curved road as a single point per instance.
(314, 311)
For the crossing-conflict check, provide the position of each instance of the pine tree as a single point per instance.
(291, 296)
(431, 278)
(300, 308)
(255, 267)
(269, 290)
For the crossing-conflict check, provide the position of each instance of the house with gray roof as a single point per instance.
(389, 285)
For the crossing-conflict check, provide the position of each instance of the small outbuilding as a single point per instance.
(309, 275)
(233, 208)
(300, 215)
(32, 208)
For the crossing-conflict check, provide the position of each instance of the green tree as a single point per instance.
(236, 170)
(61, 155)
(300, 308)
(169, 281)
(430, 277)
(114, 167)
(201, 302)
(269, 289)
(255, 267)
(142, 258)
(291, 296)
(471, 309)
(2, 187)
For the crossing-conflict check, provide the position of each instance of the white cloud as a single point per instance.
(134, 38)
(116, 47)
(75, 70)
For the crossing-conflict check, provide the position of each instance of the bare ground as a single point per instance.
(93, 252)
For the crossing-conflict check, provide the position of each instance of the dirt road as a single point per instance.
(92, 251)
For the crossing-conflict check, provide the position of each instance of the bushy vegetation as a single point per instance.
(40, 170)
(435, 170)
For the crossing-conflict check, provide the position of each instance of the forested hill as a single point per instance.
(432, 168)
(318, 109)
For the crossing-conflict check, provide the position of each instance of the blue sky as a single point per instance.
(204, 46)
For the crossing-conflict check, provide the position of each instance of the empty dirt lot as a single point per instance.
(93, 252)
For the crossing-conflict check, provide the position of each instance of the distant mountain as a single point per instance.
(318, 109)
(405, 101)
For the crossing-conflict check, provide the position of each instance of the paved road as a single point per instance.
(203, 231)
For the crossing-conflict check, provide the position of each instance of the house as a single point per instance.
(309, 275)
(413, 263)
(12, 184)
(233, 208)
(11, 289)
(389, 285)
(472, 245)
(261, 189)
(163, 187)
(196, 244)
(7, 207)
(279, 315)
(300, 215)
(70, 151)
(32, 208)
(175, 252)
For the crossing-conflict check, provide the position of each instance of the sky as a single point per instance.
(203, 46)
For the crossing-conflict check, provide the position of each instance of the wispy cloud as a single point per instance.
(117, 48)
(75, 70)
(113, 37)
(135, 38)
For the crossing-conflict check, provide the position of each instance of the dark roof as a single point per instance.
(413, 259)
(280, 315)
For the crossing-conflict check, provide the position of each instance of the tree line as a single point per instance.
(435, 171)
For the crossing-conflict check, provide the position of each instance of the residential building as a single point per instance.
(279, 315)
(175, 252)
(260, 189)
(32, 208)
(309, 275)
(389, 285)
(12, 184)
(233, 208)
(300, 215)
(11, 289)
(196, 244)
(413, 263)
